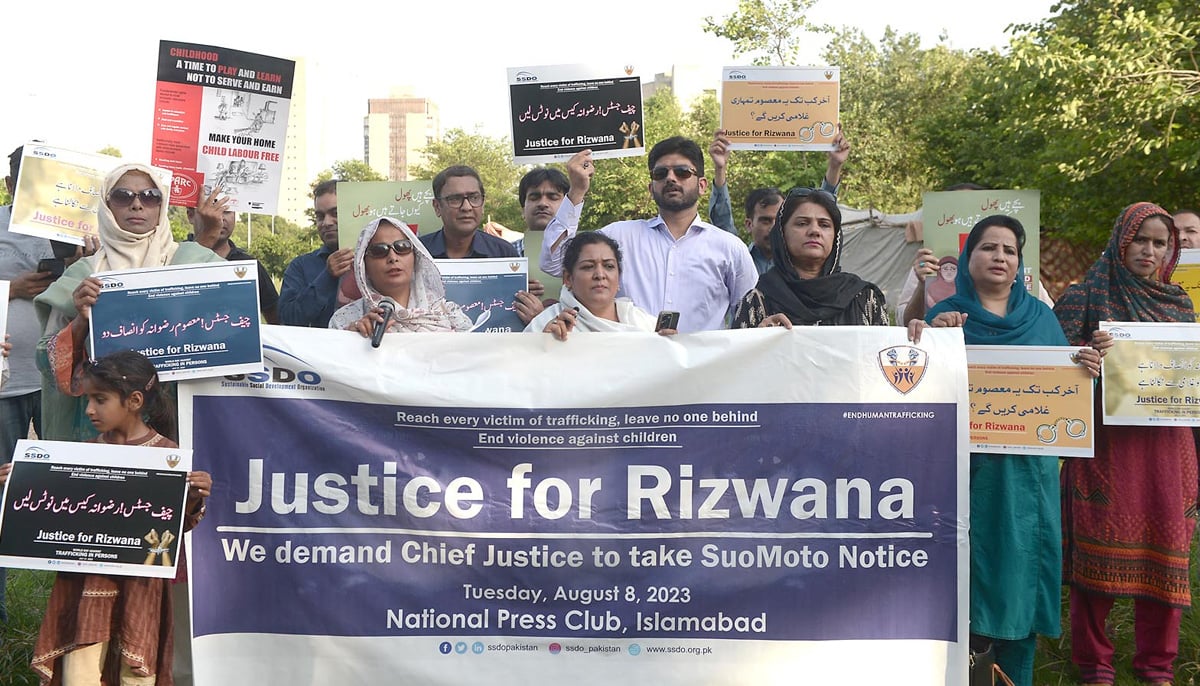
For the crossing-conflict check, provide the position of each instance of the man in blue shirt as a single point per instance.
(308, 295)
(458, 201)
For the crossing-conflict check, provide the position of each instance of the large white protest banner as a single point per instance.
(741, 507)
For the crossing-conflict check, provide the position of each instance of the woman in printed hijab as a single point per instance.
(806, 286)
(390, 263)
(1129, 513)
(134, 233)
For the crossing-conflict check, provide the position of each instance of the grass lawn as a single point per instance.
(28, 591)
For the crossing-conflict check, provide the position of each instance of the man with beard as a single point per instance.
(674, 261)
(308, 296)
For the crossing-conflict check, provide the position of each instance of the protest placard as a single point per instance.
(1152, 374)
(93, 507)
(220, 118)
(556, 111)
(1187, 273)
(58, 192)
(486, 288)
(948, 217)
(362, 202)
(1029, 400)
(780, 108)
(190, 320)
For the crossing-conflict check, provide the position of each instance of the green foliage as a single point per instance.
(1096, 107)
(772, 31)
(492, 158)
(892, 93)
(345, 170)
(348, 170)
(110, 150)
(276, 249)
(27, 593)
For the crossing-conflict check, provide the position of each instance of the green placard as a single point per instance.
(362, 202)
(948, 217)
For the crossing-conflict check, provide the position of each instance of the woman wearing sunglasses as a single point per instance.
(389, 262)
(134, 233)
(809, 287)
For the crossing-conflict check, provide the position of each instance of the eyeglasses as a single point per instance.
(123, 197)
(457, 200)
(381, 250)
(682, 172)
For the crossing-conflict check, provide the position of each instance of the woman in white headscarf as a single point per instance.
(134, 233)
(390, 263)
(589, 302)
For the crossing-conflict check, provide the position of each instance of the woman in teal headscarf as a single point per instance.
(1016, 532)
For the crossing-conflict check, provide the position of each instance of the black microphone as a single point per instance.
(389, 308)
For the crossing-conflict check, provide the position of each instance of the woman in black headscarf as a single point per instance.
(807, 286)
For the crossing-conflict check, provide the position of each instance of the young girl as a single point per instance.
(116, 629)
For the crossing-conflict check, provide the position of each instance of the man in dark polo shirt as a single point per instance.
(458, 201)
(211, 218)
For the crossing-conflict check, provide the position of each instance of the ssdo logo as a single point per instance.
(35, 453)
(280, 375)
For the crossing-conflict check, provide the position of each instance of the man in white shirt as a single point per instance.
(674, 261)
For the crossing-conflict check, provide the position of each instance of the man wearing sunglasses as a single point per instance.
(308, 295)
(762, 204)
(674, 261)
(458, 201)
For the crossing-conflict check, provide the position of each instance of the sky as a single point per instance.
(81, 74)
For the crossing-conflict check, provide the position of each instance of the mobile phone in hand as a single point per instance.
(55, 266)
(667, 320)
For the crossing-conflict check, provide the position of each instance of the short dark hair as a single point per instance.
(448, 173)
(325, 188)
(1002, 220)
(583, 239)
(538, 176)
(677, 145)
(1185, 210)
(761, 197)
(966, 186)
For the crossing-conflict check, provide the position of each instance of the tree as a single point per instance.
(1095, 106)
(274, 245)
(348, 170)
(110, 150)
(771, 30)
(492, 158)
(891, 92)
(344, 170)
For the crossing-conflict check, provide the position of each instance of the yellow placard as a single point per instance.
(1044, 408)
(765, 108)
(1152, 374)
